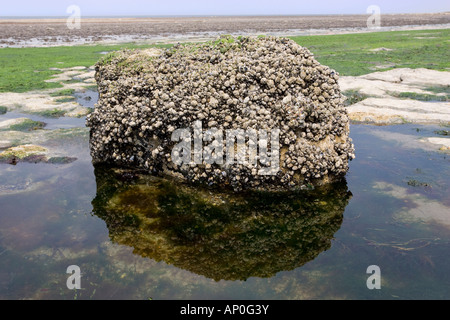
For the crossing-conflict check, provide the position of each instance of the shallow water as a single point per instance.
(50, 122)
(142, 238)
(86, 98)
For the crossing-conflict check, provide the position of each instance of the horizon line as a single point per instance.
(217, 15)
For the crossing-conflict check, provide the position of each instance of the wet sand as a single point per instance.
(48, 32)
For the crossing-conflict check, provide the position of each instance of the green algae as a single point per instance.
(64, 92)
(27, 125)
(24, 151)
(52, 113)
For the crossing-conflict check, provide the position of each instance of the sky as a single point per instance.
(212, 7)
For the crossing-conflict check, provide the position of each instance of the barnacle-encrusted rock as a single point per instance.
(285, 107)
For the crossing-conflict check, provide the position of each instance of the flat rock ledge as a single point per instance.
(245, 112)
(399, 96)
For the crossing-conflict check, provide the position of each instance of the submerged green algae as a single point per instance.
(221, 235)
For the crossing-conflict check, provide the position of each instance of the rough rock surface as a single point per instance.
(264, 83)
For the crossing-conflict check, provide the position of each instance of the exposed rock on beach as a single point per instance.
(400, 96)
(268, 85)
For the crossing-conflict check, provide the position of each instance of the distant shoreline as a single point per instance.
(30, 32)
(429, 17)
(205, 16)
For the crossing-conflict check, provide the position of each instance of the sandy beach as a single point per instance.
(51, 32)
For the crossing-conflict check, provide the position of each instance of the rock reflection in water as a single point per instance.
(218, 234)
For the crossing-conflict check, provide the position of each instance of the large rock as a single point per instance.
(172, 112)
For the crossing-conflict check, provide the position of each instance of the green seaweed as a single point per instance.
(353, 96)
(66, 99)
(352, 55)
(64, 92)
(439, 89)
(17, 73)
(419, 96)
(51, 113)
(416, 183)
(27, 125)
(442, 132)
(91, 87)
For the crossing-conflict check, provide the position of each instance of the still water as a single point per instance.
(137, 237)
